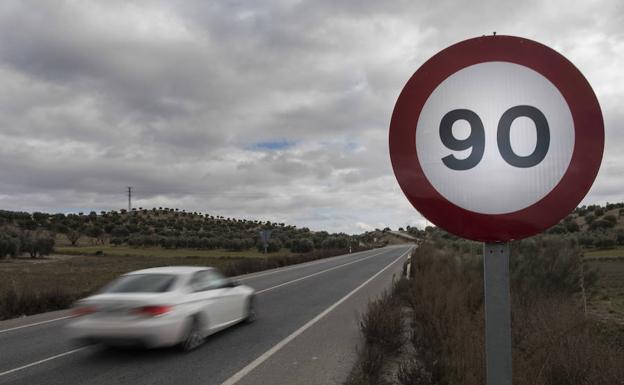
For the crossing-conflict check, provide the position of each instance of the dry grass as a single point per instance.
(128, 251)
(554, 342)
(29, 287)
(34, 286)
(616, 253)
(382, 326)
(608, 301)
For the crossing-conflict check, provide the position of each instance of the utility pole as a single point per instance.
(129, 199)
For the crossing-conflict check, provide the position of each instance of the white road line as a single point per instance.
(34, 324)
(42, 361)
(243, 277)
(266, 355)
(319, 272)
(296, 266)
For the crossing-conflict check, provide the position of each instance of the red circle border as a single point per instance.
(567, 194)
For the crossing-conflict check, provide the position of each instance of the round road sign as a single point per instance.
(496, 138)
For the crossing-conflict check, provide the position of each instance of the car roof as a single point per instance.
(177, 270)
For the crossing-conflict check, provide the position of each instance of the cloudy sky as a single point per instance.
(276, 110)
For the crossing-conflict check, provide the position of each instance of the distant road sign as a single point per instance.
(496, 138)
(265, 235)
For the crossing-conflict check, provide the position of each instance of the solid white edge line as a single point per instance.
(42, 361)
(266, 355)
(319, 272)
(34, 324)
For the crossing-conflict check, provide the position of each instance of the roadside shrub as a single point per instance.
(586, 240)
(572, 227)
(589, 218)
(335, 242)
(367, 370)
(238, 244)
(15, 302)
(548, 266)
(382, 324)
(250, 265)
(604, 241)
(601, 224)
(413, 372)
(301, 245)
(274, 245)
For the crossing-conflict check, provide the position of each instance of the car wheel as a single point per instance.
(252, 314)
(194, 337)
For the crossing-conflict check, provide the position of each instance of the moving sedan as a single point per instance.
(163, 306)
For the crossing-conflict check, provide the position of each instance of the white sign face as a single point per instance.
(495, 137)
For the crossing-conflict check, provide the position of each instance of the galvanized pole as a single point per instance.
(497, 313)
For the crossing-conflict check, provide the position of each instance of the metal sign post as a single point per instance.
(497, 313)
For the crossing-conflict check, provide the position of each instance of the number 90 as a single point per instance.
(476, 139)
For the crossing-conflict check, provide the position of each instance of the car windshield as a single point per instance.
(141, 283)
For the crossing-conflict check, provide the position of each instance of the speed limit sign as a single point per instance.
(496, 138)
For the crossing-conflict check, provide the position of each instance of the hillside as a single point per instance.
(386, 236)
(158, 227)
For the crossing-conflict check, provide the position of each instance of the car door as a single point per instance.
(205, 300)
(230, 298)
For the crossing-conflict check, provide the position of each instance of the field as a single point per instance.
(34, 286)
(127, 251)
(607, 302)
(30, 286)
(606, 253)
(79, 270)
(79, 274)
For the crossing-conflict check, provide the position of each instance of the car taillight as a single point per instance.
(79, 311)
(153, 311)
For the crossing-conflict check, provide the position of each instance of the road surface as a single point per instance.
(306, 333)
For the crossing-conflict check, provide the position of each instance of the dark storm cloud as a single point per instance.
(178, 98)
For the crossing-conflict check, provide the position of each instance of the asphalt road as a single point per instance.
(305, 334)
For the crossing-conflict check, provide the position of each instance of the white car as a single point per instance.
(162, 306)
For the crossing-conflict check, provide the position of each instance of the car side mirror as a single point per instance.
(232, 283)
